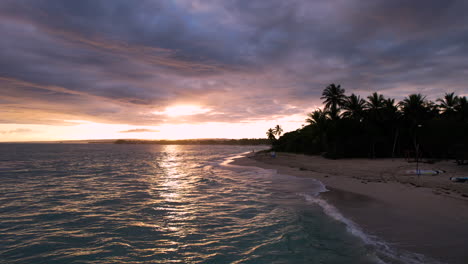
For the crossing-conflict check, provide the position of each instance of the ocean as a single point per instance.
(108, 203)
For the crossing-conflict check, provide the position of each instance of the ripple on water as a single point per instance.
(159, 204)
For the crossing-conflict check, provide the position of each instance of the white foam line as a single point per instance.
(389, 254)
(228, 163)
(329, 210)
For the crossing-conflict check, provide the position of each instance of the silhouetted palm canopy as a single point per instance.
(271, 134)
(390, 110)
(414, 107)
(462, 108)
(317, 117)
(354, 107)
(380, 128)
(390, 104)
(319, 120)
(462, 102)
(334, 99)
(376, 101)
(278, 130)
(449, 103)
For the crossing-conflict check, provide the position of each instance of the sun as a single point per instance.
(183, 110)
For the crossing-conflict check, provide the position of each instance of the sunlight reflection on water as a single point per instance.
(158, 204)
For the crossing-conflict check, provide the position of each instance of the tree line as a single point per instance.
(378, 126)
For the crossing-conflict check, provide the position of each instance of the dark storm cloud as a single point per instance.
(120, 61)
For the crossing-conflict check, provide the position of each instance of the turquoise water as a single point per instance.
(105, 203)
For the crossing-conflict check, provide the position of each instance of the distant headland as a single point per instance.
(243, 141)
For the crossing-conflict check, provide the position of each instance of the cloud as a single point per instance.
(246, 60)
(16, 131)
(138, 130)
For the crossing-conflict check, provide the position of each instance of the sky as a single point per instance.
(174, 69)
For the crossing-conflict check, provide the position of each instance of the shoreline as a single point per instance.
(428, 216)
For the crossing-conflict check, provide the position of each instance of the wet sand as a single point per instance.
(426, 214)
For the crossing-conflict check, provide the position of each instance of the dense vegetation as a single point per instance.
(351, 126)
(244, 141)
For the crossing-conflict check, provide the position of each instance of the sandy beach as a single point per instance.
(426, 215)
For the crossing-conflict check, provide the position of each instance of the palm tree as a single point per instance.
(389, 111)
(375, 126)
(389, 104)
(448, 104)
(432, 110)
(376, 101)
(317, 117)
(354, 107)
(334, 99)
(278, 130)
(271, 134)
(462, 108)
(391, 117)
(414, 107)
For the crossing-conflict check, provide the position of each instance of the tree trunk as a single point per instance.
(394, 142)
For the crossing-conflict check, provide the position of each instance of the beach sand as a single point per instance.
(426, 215)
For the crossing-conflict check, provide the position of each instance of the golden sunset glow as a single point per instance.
(82, 130)
(183, 110)
(218, 72)
(233, 131)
